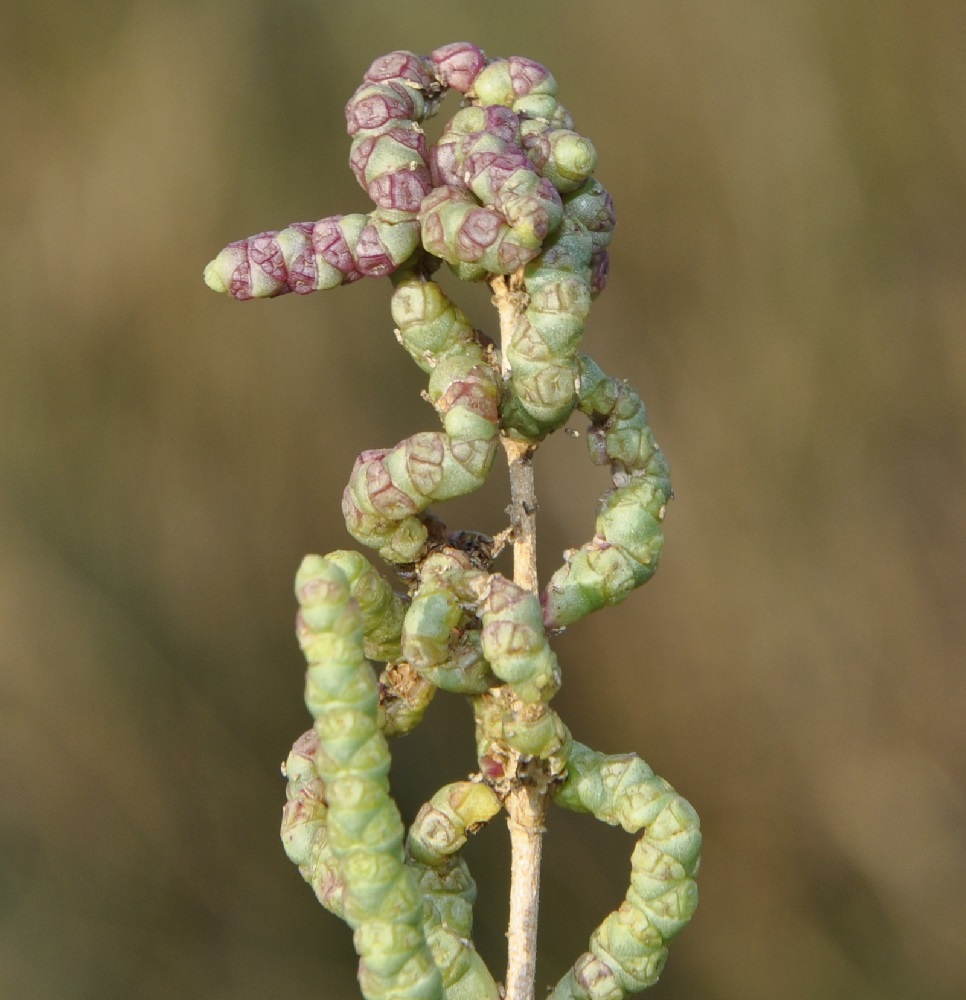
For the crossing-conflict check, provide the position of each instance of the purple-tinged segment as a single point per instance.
(367, 152)
(495, 120)
(419, 461)
(403, 190)
(266, 265)
(494, 85)
(528, 218)
(503, 122)
(398, 232)
(478, 232)
(508, 181)
(439, 207)
(488, 171)
(458, 65)
(444, 166)
(229, 271)
(303, 268)
(402, 66)
(599, 271)
(506, 81)
(330, 245)
(475, 394)
(530, 77)
(248, 269)
(265, 253)
(377, 107)
(433, 233)
(384, 244)
(494, 129)
(512, 255)
(309, 256)
(372, 256)
(364, 525)
(374, 483)
(457, 229)
(391, 168)
(563, 156)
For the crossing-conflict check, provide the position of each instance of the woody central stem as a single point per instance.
(526, 804)
(523, 513)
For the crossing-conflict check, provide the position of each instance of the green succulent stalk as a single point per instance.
(380, 901)
(628, 950)
(507, 196)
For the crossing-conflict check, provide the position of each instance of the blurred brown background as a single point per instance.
(788, 294)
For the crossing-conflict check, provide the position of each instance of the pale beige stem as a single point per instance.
(526, 808)
(523, 513)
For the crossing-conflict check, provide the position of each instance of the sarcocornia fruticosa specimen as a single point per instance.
(506, 196)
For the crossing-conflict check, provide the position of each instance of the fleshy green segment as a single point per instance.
(628, 950)
(435, 839)
(532, 731)
(518, 82)
(564, 157)
(305, 832)
(513, 639)
(389, 489)
(560, 283)
(389, 157)
(381, 899)
(491, 209)
(439, 641)
(382, 609)
(629, 534)
(388, 153)
(508, 643)
(412, 911)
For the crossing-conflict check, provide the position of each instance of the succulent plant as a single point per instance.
(507, 196)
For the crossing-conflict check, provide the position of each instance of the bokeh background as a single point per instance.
(788, 294)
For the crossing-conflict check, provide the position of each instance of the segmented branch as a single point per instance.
(506, 196)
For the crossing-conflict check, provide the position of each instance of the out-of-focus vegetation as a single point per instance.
(789, 294)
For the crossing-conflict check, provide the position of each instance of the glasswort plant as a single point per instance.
(505, 196)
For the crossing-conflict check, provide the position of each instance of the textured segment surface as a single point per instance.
(485, 198)
(382, 609)
(628, 950)
(440, 640)
(390, 488)
(542, 351)
(629, 534)
(381, 899)
(305, 832)
(514, 640)
(492, 208)
(310, 256)
(437, 835)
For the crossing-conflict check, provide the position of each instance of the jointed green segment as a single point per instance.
(390, 488)
(381, 900)
(629, 949)
(629, 535)
(435, 839)
(506, 195)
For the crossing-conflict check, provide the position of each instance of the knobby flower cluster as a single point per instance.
(506, 195)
